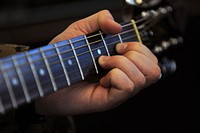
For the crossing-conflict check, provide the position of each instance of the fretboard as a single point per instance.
(26, 76)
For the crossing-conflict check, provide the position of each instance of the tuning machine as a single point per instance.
(165, 45)
(159, 11)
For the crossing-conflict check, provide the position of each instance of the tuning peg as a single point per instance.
(167, 44)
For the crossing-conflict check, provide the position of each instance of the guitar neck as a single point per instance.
(36, 73)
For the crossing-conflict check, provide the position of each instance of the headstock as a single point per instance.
(158, 29)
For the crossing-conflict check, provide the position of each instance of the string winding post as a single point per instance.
(136, 30)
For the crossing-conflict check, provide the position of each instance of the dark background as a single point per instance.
(171, 105)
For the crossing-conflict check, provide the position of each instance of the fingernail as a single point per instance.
(121, 47)
(160, 76)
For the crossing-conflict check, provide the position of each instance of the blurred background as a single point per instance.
(171, 105)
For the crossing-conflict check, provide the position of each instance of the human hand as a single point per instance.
(133, 69)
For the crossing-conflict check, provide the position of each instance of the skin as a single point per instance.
(134, 68)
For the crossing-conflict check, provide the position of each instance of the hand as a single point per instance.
(133, 69)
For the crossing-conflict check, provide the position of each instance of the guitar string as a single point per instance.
(88, 63)
(43, 66)
(97, 34)
(85, 45)
(108, 45)
(70, 49)
(129, 37)
(75, 64)
(150, 22)
(88, 37)
(128, 24)
(46, 81)
(123, 26)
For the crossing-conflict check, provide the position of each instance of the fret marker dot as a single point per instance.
(99, 51)
(42, 72)
(15, 82)
(69, 62)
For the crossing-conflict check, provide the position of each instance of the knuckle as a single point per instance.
(120, 59)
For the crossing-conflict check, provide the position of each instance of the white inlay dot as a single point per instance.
(99, 51)
(42, 72)
(15, 82)
(69, 62)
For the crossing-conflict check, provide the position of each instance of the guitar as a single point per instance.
(27, 76)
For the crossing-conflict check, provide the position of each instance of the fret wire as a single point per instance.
(62, 64)
(9, 86)
(48, 69)
(120, 38)
(94, 62)
(105, 45)
(79, 66)
(41, 93)
(2, 109)
(21, 79)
